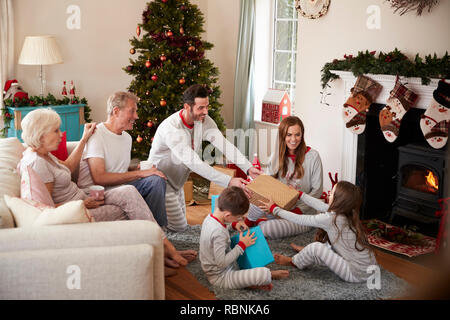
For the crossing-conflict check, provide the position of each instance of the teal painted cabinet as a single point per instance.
(72, 120)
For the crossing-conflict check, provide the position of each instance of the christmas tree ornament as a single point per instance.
(400, 100)
(139, 139)
(164, 1)
(138, 31)
(148, 64)
(147, 93)
(162, 103)
(132, 51)
(154, 77)
(435, 122)
(191, 48)
(181, 30)
(163, 57)
(64, 90)
(182, 81)
(169, 33)
(149, 124)
(363, 93)
(129, 68)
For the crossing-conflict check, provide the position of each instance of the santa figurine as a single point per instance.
(64, 90)
(72, 90)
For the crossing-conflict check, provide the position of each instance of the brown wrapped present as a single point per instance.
(265, 186)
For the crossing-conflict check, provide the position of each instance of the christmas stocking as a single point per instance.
(399, 102)
(435, 121)
(363, 93)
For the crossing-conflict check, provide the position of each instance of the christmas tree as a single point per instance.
(170, 58)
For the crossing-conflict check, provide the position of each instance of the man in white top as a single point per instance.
(107, 157)
(177, 147)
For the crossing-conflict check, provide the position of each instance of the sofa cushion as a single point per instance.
(33, 188)
(29, 213)
(10, 153)
(61, 153)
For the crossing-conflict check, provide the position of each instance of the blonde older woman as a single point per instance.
(42, 135)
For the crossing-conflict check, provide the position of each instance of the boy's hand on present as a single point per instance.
(241, 226)
(266, 205)
(249, 239)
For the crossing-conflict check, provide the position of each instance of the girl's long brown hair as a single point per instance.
(283, 150)
(347, 202)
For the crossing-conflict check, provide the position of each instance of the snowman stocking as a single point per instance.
(435, 121)
(401, 99)
(363, 93)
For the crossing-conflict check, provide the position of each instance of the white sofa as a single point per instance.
(99, 260)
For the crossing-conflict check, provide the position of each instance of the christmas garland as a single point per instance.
(37, 101)
(392, 63)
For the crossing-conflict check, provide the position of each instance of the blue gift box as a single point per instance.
(257, 255)
(214, 202)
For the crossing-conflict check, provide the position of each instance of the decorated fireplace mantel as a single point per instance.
(349, 139)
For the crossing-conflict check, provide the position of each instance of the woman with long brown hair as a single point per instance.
(345, 249)
(294, 164)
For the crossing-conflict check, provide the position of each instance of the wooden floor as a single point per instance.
(184, 286)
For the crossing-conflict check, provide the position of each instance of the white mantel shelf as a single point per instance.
(349, 139)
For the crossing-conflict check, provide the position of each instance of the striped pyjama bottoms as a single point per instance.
(176, 209)
(275, 228)
(322, 254)
(237, 279)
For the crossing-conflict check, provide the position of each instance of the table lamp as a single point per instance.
(40, 50)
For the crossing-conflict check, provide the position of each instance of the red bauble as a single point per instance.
(191, 48)
(148, 64)
(163, 103)
(139, 139)
(132, 51)
(164, 1)
(169, 33)
(182, 81)
(138, 31)
(163, 57)
(149, 124)
(181, 30)
(154, 77)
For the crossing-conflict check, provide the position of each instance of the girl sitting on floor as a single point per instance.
(344, 248)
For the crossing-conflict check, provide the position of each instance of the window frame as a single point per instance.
(293, 51)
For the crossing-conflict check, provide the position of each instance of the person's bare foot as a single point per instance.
(189, 255)
(169, 262)
(169, 272)
(279, 274)
(282, 260)
(296, 247)
(266, 287)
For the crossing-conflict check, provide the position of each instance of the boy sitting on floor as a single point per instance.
(217, 260)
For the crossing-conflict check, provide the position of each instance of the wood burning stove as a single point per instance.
(420, 182)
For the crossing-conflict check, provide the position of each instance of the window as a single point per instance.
(284, 46)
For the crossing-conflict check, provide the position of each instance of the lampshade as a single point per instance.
(40, 50)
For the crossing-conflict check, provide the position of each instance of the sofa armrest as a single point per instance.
(117, 272)
(87, 235)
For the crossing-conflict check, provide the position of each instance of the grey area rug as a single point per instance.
(313, 283)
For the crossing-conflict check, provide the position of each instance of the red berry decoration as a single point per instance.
(148, 64)
(154, 77)
(163, 57)
(163, 103)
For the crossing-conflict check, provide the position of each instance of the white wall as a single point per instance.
(95, 55)
(342, 31)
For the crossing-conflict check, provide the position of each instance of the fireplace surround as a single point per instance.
(392, 176)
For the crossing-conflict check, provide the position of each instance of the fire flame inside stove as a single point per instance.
(432, 180)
